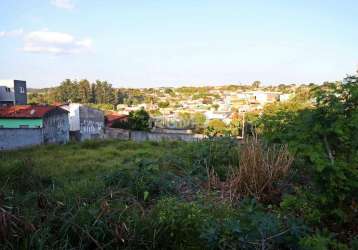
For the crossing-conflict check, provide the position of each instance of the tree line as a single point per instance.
(98, 92)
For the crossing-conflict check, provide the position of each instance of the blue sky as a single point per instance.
(170, 43)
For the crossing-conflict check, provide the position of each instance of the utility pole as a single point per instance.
(243, 125)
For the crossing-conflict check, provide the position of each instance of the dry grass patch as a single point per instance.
(259, 168)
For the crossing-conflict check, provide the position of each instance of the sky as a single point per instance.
(151, 43)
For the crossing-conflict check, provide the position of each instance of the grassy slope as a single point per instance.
(76, 169)
(128, 195)
(64, 186)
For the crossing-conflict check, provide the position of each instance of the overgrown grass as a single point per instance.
(149, 195)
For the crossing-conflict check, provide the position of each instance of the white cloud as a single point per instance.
(63, 4)
(55, 43)
(11, 33)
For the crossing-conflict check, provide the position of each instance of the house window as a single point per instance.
(22, 90)
(7, 89)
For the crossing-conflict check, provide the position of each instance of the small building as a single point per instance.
(286, 97)
(111, 119)
(13, 92)
(27, 125)
(262, 97)
(85, 122)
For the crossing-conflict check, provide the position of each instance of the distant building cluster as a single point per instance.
(217, 104)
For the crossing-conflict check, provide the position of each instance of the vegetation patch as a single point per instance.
(291, 185)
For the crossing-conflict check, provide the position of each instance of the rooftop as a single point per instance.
(27, 111)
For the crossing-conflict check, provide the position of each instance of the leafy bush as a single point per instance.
(303, 205)
(176, 224)
(213, 153)
(252, 228)
(321, 241)
(144, 179)
(325, 139)
(137, 120)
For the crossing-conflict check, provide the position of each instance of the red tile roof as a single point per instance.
(113, 117)
(110, 118)
(27, 111)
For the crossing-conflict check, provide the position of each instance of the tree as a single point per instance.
(67, 91)
(215, 106)
(169, 91)
(163, 104)
(139, 120)
(93, 93)
(84, 90)
(185, 119)
(256, 84)
(37, 98)
(199, 120)
(216, 127)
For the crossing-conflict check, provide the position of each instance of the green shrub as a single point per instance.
(304, 205)
(252, 228)
(321, 241)
(177, 224)
(215, 153)
(144, 179)
(325, 140)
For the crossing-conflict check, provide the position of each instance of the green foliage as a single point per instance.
(177, 224)
(214, 153)
(199, 120)
(101, 106)
(144, 179)
(325, 137)
(256, 84)
(321, 241)
(325, 142)
(163, 104)
(137, 120)
(251, 227)
(304, 205)
(100, 92)
(151, 195)
(216, 127)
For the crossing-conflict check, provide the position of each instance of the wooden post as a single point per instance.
(243, 125)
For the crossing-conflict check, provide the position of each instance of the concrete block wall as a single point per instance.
(17, 138)
(56, 128)
(113, 133)
(91, 123)
(117, 133)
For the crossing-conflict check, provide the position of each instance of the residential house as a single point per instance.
(219, 115)
(27, 125)
(261, 97)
